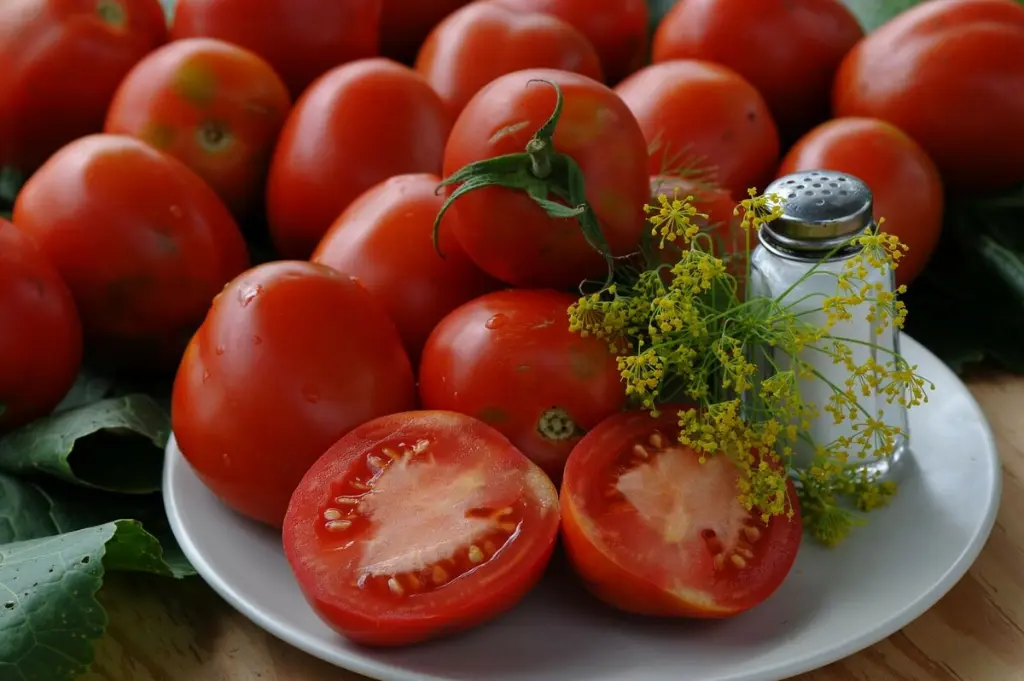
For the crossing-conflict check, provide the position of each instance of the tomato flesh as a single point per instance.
(419, 524)
(652, 530)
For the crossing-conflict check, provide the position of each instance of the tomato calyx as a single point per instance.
(213, 136)
(540, 171)
(112, 13)
(556, 424)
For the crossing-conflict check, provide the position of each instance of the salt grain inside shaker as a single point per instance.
(822, 210)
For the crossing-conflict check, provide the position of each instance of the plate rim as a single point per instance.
(816, 660)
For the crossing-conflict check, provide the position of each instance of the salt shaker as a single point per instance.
(822, 211)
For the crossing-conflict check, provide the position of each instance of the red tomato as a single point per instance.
(62, 61)
(405, 24)
(211, 104)
(356, 126)
(484, 40)
(292, 356)
(143, 243)
(504, 231)
(419, 525)
(302, 39)
(949, 73)
(41, 345)
(788, 49)
(617, 29)
(385, 239)
(696, 114)
(906, 185)
(509, 359)
(653, 531)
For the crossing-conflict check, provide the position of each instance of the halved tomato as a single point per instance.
(651, 530)
(417, 525)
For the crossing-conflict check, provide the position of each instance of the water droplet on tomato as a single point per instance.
(219, 350)
(496, 321)
(248, 293)
(311, 394)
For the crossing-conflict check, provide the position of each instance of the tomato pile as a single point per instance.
(349, 233)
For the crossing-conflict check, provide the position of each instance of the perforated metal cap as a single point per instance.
(821, 209)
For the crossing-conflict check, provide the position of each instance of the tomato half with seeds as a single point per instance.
(653, 531)
(142, 242)
(384, 239)
(697, 115)
(502, 229)
(419, 525)
(509, 359)
(302, 39)
(215, 106)
(62, 62)
(484, 40)
(358, 125)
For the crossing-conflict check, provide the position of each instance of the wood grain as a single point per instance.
(162, 631)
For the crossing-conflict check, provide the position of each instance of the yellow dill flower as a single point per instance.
(672, 219)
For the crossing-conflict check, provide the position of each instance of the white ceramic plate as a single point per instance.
(834, 603)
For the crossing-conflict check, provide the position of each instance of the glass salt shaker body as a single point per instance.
(822, 210)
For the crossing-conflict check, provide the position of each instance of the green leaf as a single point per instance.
(115, 444)
(49, 615)
(88, 388)
(873, 13)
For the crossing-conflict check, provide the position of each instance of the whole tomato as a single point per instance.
(699, 115)
(904, 181)
(359, 124)
(509, 359)
(142, 242)
(617, 29)
(62, 61)
(788, 49)
(291, 356)
(216, 106)
(41, 345)
(405, 24)
(949, 73)
(484, 40)
(499, 225)
(302, 39)
(384, 239)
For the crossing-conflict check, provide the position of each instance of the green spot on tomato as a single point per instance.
(160, 135)
(492, 415)
(196, 84)
(112, 13)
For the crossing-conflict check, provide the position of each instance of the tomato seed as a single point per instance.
(720, 561)
(338, 525)
(737, 561)
(656, 440)
(639, 451)
(332, 514)
(753, 534)
(745, 552)
(475, 554)
(395, 587)
(508, 527)
(375, 463)
(346, 501)
(439, 575)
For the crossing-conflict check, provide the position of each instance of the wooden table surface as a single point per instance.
(163, 631)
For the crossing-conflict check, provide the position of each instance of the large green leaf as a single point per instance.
(113, 444)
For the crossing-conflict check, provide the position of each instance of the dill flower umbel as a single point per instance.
(684, 334)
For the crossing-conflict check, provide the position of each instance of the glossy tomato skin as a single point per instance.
(695, 114)
(385, 239)
(301, 39)
(625, 562)
(788, 49)
(405, 24)
(358, 125)
(904, 181)
(509, 359)
(62, 61)
(966, 51)
(142, 242)
(292, 355)
(41, 346)
(213, 105)
(503, 230)
(617, 29)
(463, 465)
(484, 40)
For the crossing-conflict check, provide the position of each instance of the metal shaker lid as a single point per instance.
(821, 209)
